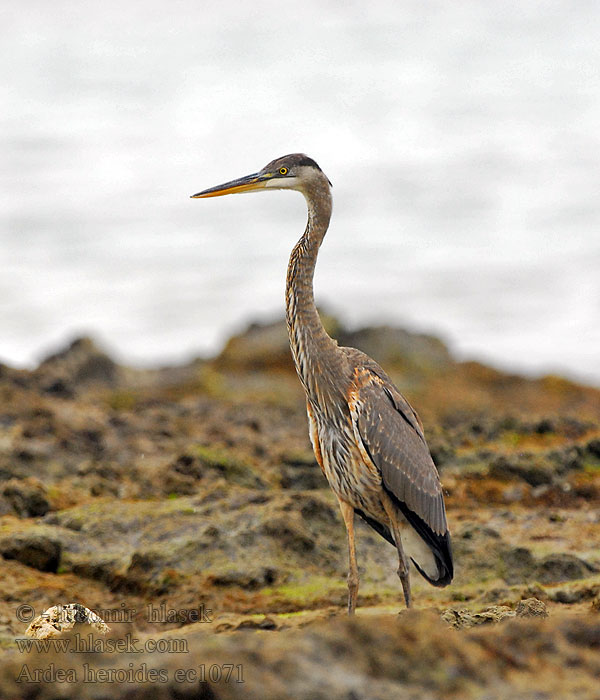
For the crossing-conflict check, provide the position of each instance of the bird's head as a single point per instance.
(293, 172)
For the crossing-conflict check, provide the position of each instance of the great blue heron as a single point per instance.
(367, 438)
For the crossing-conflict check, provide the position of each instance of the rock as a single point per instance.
(136, 579)
(573, 428)
(379, 657)
(526, 466)
(289, 533)
(566, 459)
(317, 509)
(534, 590)
(38, 551)
(586, 636)
(250, 579)
(567, 596)
(531, 607)
(189, 465)
(80, 364)
(60, 388)
(472, 532)
(115, 465)
(463, 619)
(479, 548)
(593, 448)
(222, 462)
(495, 595)
(300, 471)
(299, 458)
(399, 348)
(62, 618)
(515, 493)
(441, 451)
(146, 574)
(187, 473)
(266, 346)
(27, 497)
(545, 426)
(267, 623)
(302, 478)
(259, 347)
(175, 484)
(14, 377)
(537, 469)
(561, 567)
(182, 476)
(519, 565)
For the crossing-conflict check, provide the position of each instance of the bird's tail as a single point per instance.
(445, 565)
(439, 546)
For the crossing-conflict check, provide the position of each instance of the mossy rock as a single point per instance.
(34, 550)
(200, 459)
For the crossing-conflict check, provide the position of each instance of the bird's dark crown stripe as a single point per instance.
(295, 159)
(305, 160)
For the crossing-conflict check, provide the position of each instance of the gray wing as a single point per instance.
(389, 432)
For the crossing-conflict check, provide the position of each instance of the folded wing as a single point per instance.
(388, 430)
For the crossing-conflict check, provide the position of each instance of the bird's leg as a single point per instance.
(403, 567)
(403, 563)
(348, 515)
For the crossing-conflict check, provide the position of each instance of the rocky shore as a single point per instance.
(186, 504)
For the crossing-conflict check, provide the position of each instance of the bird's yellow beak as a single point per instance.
(242, 184)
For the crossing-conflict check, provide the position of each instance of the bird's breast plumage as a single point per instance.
(342, 462)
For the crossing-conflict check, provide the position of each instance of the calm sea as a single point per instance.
(463, 141)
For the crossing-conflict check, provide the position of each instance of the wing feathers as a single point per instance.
(389, 432)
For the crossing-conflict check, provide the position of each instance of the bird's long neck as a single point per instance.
(311, 345)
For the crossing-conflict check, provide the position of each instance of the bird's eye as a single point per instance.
(283, 171)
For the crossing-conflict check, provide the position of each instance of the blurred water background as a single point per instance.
(463, 141)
